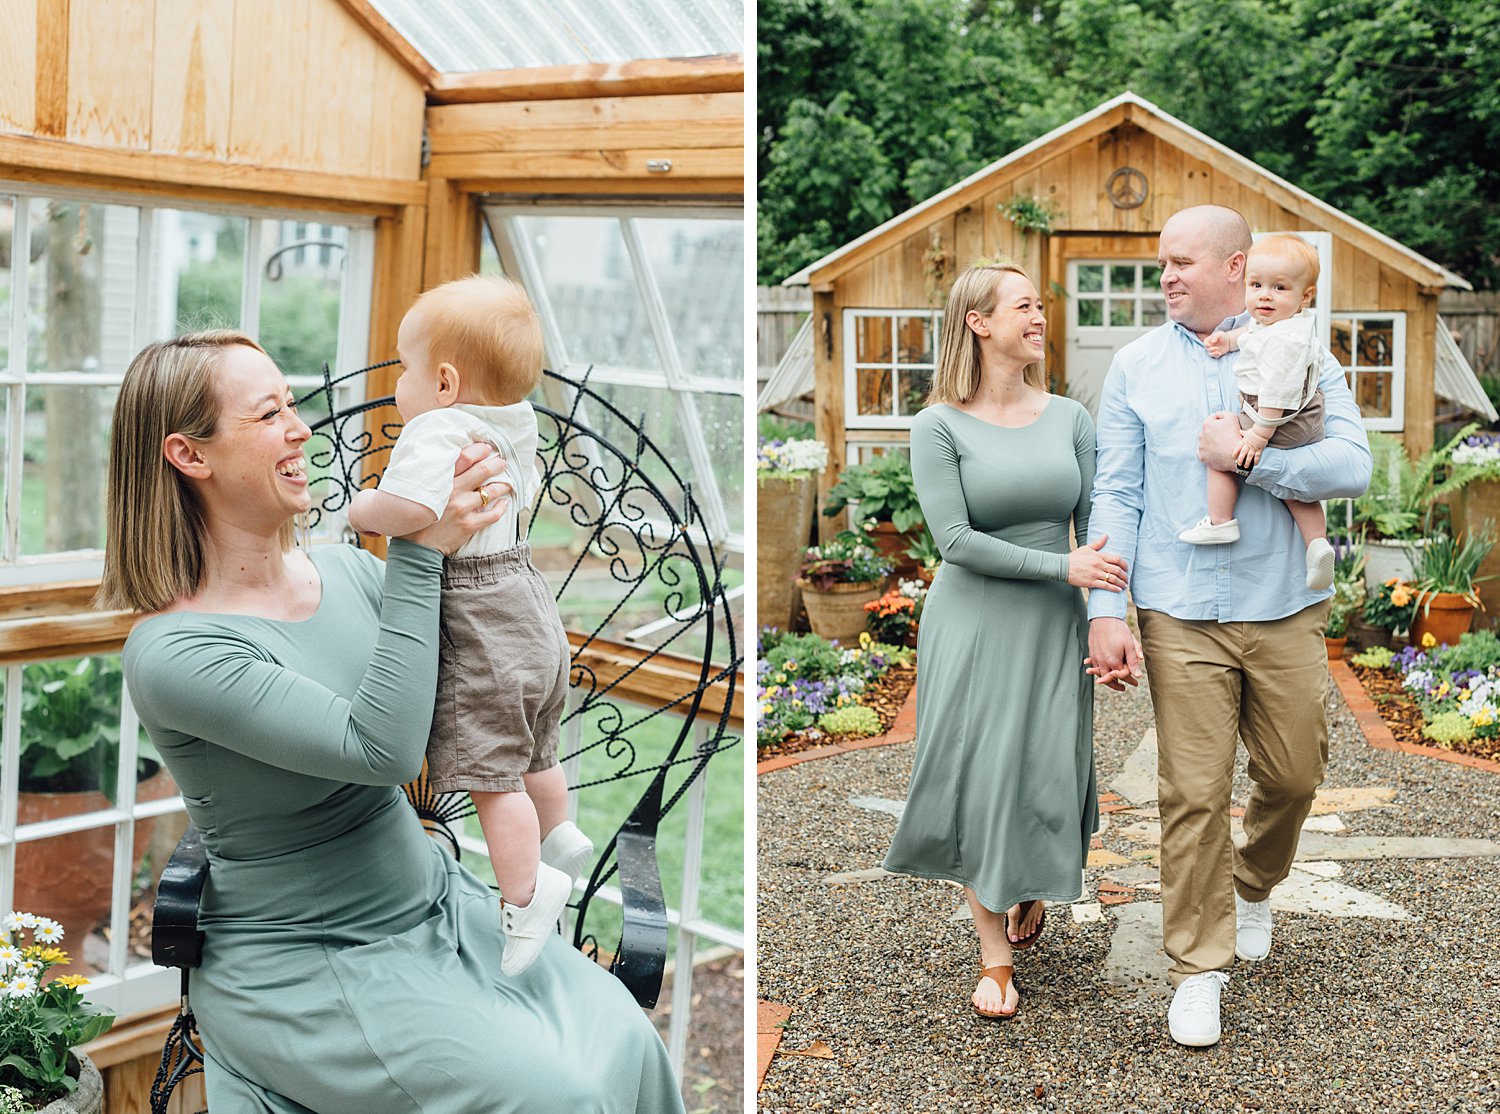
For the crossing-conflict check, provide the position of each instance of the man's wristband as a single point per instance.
(1244, 472)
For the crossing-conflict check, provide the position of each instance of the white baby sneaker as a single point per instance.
(567, 849)
(528, 926)
(1193, 1017)
(1205, 532)
(1319, 565)
(1252, 928)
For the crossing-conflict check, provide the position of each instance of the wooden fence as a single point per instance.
(1474, 318)
(779, 311)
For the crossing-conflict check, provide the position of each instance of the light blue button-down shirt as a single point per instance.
(1150, 485)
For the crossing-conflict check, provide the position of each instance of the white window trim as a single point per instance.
(1075, 296)
(1396, 423)
(853, 419)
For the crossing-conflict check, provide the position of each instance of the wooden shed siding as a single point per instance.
(18, 50)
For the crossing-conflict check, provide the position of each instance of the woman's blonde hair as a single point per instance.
(154, 548)
(958, 364)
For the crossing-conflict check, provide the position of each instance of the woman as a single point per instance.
(349, 965)
(1002, 791)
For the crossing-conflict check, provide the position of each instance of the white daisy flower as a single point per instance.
(12, 923)
(28, 920)
(9, 954)
(22, 986)
(48, 931)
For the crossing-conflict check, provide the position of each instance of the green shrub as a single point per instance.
(1376, 657)
(853, 719)
(810, 657)
(1476, 650)
(1449, 727)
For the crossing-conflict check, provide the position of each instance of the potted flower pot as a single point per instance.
(893, 543)
(87, 1097)
(784, 512)
(1385, 558)
(1335, 646)
(838, 611)
(1444, 615)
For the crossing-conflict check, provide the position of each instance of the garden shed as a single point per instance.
(302, 171)
(1081, 208)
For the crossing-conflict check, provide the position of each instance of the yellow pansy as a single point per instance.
(1428, 641)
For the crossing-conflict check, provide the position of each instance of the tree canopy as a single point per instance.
(1386, 109)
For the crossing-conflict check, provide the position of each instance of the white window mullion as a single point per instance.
(353, 349)
(519, 261)
(250, 286)
(140, 331)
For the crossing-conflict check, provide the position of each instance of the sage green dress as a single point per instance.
(1002, 794)
(350, 965)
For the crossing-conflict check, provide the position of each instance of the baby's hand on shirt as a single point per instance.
(1248, 453)
(1218, 343)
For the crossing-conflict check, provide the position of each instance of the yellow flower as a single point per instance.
(864, 638)
(796, 703)
(53, 956)
(1400, 596)
(1428, 641)
(71, 980)
(774, 690)
(791, 667)
(855, 655)
(781, 678)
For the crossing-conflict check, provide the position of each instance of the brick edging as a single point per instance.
(768, 1030)
(1379, 735)
(903, 730)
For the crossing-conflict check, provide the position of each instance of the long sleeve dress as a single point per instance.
(1002, 795)
(351, 966)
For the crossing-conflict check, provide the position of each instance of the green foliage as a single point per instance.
(1387, 109)
(846, 558)
(1403, 494)
(852, 719)
(1476, 650)
(924, 550)
(1448, 564)
(1391, 606)
(1376, 657)
(883, 488)
(1348, 599)
(1449, 727)
(770, 427)
(1029, 214)
(810, 657)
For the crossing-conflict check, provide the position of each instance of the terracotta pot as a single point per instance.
(839, 612)
(68, 877)
(87, 1097)
(1475, 507)
(1335, 646)
(784, 510)
(892, 544)
(1445, 616)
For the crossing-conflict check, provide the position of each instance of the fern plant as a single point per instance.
(1403, 493)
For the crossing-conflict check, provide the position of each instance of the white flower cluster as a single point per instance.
(789, 458)
(20, 972)
(1487, 453)
(912, 589)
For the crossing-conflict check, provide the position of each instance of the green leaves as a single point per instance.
(883, 489)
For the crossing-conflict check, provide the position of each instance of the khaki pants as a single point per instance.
(1210, 683)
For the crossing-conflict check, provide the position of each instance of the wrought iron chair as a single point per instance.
(614, 489)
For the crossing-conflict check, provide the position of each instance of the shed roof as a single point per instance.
(1128, 107)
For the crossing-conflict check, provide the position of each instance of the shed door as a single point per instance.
(1110, 303)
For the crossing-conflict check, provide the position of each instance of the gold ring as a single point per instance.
(484, 499)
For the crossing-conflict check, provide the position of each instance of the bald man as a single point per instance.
(1233, 635)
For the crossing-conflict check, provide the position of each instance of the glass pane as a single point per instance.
(914, 387)
(872, 340)
(1121, 311)
(1373, 392)
(699, 268)
(1090, 311)
(914, 340)
(723, 420)
(62, 482)
(1341, 341)
(6, 479)
(1153, 311)
(300, 276)
(197, 271)
(7, 225)
(68, 878)
(873, 391)
(1090, 278)
(1376, 344)
(82, 286)
(597, 307)
(1122, 278)
(489, 255)
(1151, 278)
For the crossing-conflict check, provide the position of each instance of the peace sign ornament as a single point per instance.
(1126, 188)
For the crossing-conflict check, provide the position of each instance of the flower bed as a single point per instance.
(1444, 696)
(813, 691)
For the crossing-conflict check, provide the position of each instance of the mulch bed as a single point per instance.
(1404, 718)
(885, 696)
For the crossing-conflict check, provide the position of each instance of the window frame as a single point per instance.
(1396, 423)
(852, 314)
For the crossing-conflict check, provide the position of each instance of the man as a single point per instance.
(1233, 635)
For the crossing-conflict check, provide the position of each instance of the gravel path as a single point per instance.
(1347, 1014)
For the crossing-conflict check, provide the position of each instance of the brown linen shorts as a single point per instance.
(1305, 427)
(503, 662)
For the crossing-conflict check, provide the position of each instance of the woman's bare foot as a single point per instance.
(988, 997)
(1019, 926)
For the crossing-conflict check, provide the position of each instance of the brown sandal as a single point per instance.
(1030, 938)
(1003, 977)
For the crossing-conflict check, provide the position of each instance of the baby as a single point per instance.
(472, 351)
(1277, 372)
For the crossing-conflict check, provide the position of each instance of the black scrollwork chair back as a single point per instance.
(635, 529)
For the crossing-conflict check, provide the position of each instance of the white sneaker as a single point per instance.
(1193, 1018)
(528, 926)
(1319, 565)
(567, 849)
(1252, 928)
(1205, 532)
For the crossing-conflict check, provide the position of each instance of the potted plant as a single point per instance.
(884, 497)
(68, 762)
(893, 618)
(1477, 506)
(1390, 606)
(43, 1022)
(785, 475)
(1447, 573)
(1348, 599)
(924, 552)
(838, 578)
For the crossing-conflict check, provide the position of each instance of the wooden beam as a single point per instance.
(452, 233)
(49, 160)
(51, 68)
(719, 73)
(566, 166)
(663, 678)
(715, 189)
(41, 637)
(603, 123)
(391, 40)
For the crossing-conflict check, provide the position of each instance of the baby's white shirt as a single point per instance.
(421, 465)
(1274, 360)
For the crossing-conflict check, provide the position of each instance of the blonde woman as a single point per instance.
(1002, 791)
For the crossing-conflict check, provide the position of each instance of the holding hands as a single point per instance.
(1252, 441)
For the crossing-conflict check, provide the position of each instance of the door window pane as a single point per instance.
(7, 238)
(197, 271)
(82, 286)
(699, 266)
(62, 482)
(301, 278)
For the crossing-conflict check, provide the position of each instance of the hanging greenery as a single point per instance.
(1030, 214)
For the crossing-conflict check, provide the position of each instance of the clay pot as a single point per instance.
(784, 510)
(1335, 646)
(839, 612)
(892, 544)
(1445, 616)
